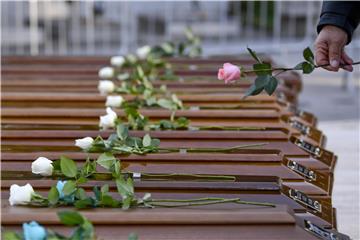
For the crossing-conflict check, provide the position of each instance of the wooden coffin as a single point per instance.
(242, 223)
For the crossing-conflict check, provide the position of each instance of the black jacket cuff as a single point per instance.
(338, 21)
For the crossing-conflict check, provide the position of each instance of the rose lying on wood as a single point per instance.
(42, 166)
(122, 143)
(84, 229)
(83, 143)
(70, 192)
(266, 74)
(34, 231)
(67, 168)
(105, 87)
(125, 69)
(229, 73)
(117, 61)
(114, 101)
(20, 195)
(108, 121)
(106, 73)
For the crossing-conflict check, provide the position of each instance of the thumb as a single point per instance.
(335, 51)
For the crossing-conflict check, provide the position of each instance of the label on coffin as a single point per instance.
(323, 233)
(315, 151)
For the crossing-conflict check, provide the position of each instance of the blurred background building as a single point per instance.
(281, 29)
(108, 27)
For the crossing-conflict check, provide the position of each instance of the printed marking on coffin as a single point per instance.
(304, 199)
(320, 232)
(303, 129)
(308, 147)
(303, 171)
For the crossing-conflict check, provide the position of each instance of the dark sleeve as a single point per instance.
(342, 14)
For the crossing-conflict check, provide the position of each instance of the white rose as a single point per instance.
(84, 143)
(143, 52)
(42, 166)
(106, 72)
(114, 101)
(106, 86)
(108, 120)
(117, 61)
(20, 195)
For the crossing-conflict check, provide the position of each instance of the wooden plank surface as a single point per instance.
(261, 172)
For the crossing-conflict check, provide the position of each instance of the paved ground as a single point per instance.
(337, 110)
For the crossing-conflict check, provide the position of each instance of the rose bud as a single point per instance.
(20, 195)
(42, 166)
(84, 143)
(229, 73)
(143, 52)
(34, 231)
(114, 101)
(117, 61)
(106, 72)
(106, 86)
(108, 120)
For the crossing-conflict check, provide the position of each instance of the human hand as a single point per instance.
(329, 49)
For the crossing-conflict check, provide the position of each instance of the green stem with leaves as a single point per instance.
(266, 79)
(202, 202)
(222, 150)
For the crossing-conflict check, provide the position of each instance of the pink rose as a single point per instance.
(230, 73)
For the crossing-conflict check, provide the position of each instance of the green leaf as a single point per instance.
(70, 218)
(308, 55)
(168, 48)
(299, 66)
(105, 189)
(106, 160)
(11, 236)
(121, 130)
(107, 201)
(68, 167)
(123, 76)
(253, 54)
(81, 180)
(164, 103)
(176, 100)
(125, 189)
(116, 168)
(56, 165)
(80, 194)
(69, 187)
(123, 149)
(262, 69)
(97, 193)
(140, 72)
(88, 168)
(53, 195)
(126, 203)
(165, 124)
(155, 142)
(84, 203)
(150, 101)
(78, 234)
(88, 230)
(271, 85)
(261, 81)
(181, 48)
(253, 90)
(146, 140)
(307, 68)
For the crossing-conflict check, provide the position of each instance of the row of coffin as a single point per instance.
(50, 102)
